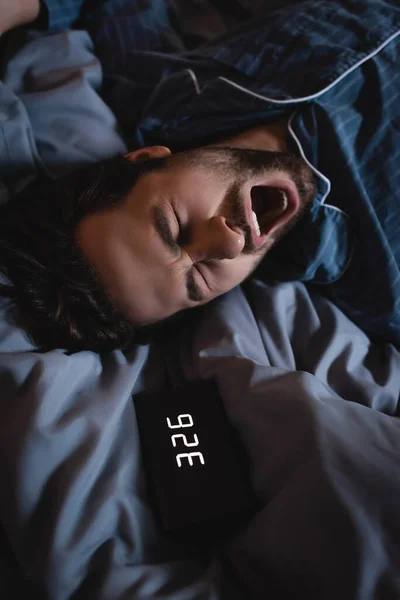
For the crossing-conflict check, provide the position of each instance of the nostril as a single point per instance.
(230, 224)
(228, 239)
(223, 224)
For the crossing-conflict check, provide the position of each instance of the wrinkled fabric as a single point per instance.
(52, 118)
(312, 401)
(311, 398)
(73, 503)
(59, 15)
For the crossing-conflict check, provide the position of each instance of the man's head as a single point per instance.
(136, 239)
(185, 233)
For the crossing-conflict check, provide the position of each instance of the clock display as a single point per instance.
(196, 478)
(185, 420)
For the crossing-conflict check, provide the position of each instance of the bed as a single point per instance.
(310, 399)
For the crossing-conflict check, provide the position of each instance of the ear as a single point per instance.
(148, 153)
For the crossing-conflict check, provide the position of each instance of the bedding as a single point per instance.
(310, 396)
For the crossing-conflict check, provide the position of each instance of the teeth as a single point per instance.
(285, 200)
(256, 225)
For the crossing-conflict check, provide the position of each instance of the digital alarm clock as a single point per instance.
(195, 466)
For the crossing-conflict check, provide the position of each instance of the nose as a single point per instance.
(217, 239)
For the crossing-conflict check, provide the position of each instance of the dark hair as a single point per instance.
(60, 302)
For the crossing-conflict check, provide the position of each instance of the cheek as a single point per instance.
(198, 196)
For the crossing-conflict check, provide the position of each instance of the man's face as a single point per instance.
(186, 233)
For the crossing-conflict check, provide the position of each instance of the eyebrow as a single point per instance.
(163, 228)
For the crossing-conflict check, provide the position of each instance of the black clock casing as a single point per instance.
(195, 467)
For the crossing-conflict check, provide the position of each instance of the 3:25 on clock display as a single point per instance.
(185, 420)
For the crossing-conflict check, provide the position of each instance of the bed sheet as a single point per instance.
(322, 452)
(312, 402)
(310, 397)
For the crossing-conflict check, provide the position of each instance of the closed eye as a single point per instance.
(193, 290)
(163, 227)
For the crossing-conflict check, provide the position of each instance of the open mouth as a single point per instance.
(268, 204)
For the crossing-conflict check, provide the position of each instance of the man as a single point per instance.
(141, 238)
